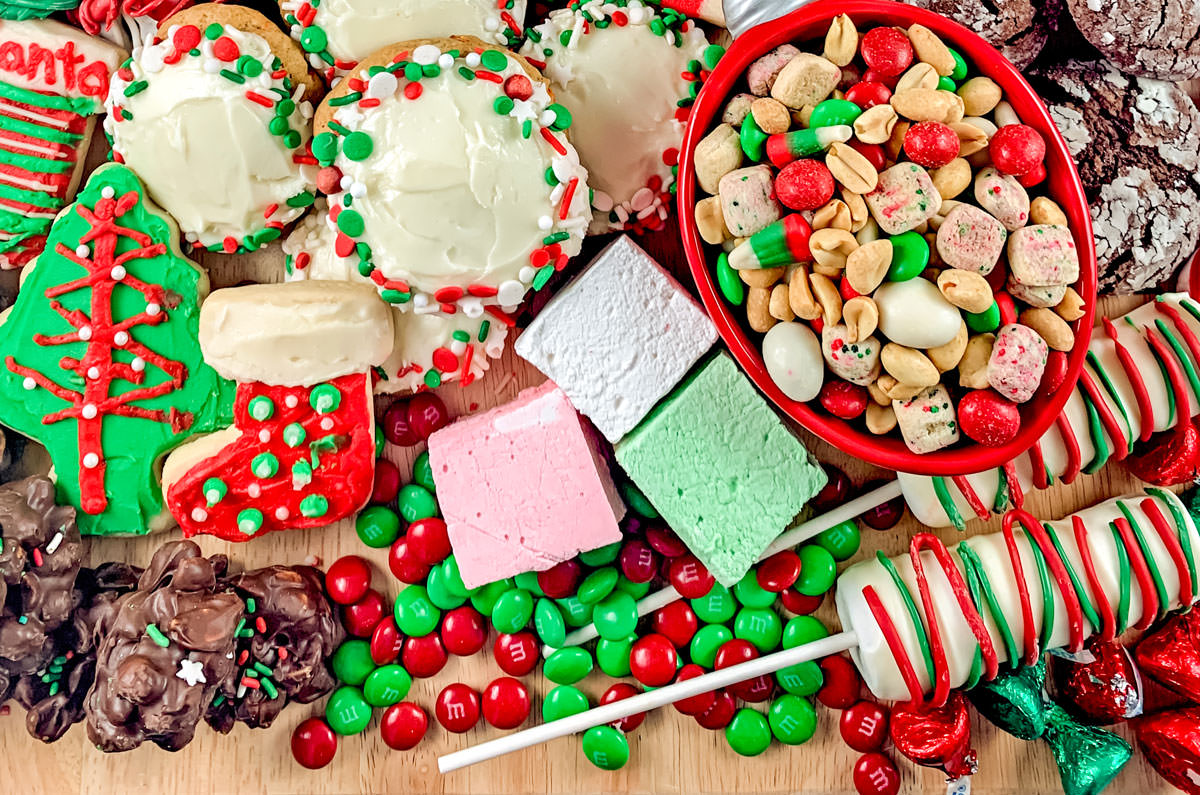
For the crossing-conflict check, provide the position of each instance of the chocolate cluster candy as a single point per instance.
(291, 630)
(165, 652)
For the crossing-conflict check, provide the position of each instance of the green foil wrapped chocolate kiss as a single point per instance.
(1013, 701)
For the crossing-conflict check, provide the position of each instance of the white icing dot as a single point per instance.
(85, 333)
(118, 273)
(291, 401)
(471, 306)
(29, 383)
(526, 274)
(254, 490)
(642, 199)
(491, 24)
(138, 364)
(446, 60)
(472, 59)
(108, 191)
(327, 424)
(153, 309)
(191, 237)
(426, 54)
(510, 293)
(281, 513)
(420, 300)
(382, 85)
(358, 190)
(264, 436)
(89, 411)
(545, 223)
(93, 373)
(347, 182)
(212, 66)
(82, 251)
(199, 515)
(91, 461)
(120, 338)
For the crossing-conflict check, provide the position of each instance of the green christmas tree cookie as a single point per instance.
(99, 359)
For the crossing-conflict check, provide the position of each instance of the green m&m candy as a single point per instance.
(635, 589)
(423, 473)
(946, 83)
(748, 733)
(416, 502)
(352, 662)
(817, 570)
(752, 139)
(597, 585)
(806, 678)
(613, 656)
(751, 594)
(387, 685)
(416, 616)
(601, 556)
(801, 630)
(732, 286)
(606, 747)
(706, 641)
(512, 611)
(987, 320)
(759, 625)
(485, 597)
(377, 526)
(529, 581)
(567, 666)
(440, 593)
(833, 112)
(347, 712)
(548, 621)
(842, 540)
(960, 66)
(793, 720)
(910, 256)
(453, 576)
(715, 607)
(575, 612)
(563, 701)
(616, 616)
(637, 501)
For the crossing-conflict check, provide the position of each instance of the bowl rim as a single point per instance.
(890, 451)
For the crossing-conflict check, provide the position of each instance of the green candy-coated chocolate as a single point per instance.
(529, 581)
(732, 286)
(793, 719)
(423, 473)
(987, 320)
(910, 256)
(377, 526)
(842, 540)
(615, 616)
(801, 679)
(960, 66)
(416, 502)
(946, 83)
(548, 621)
(801, 630)
(753, 139)
(605, 747)
(751, 594)
(759, 625)
(453, 576)
(817, 570)
(748, 733)
(387, 685)
(484, 598)
(512, 611)
(613, 655)
(601, 556)
(575, 612)
(568, 666)
(706, 641)
(352, 662)
(562, 702)
(833, 112)
(415, 614)
(347, 712)
(597, 585)
(635, 589)
(715, 607)
(637, 501)
(439, 590)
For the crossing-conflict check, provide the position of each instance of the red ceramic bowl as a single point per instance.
(808, 24)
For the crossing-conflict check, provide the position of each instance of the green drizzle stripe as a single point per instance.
(1047, 593)
(1178, 513)
(83, 106)
(914, 615)
(1181, 354)
(1111, 389)
(947, 503)
(1096, 430)
(1085, 603)
(1000, 505)
(1151, 563)
(1126, 579)
(1162, 369)
(978, 580)
(40, 131)
(976, 670)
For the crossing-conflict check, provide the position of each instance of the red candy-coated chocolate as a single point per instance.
(698, 703)
(931, 144)
(457, 708)
(873, 76)
(1104, 691)
(363, 616)
(428, 540)
(935, 736)
(842, 684)
(733, 652)
(876, 774)
(987, 417)
(886, 515)
(464, 631)
(864, 726)
(505, 703)
(719, 713)
(387, 482)
(639, 562)
(676, 622)
(1017, 149)
(874, 153)
(1033, 178)
(348, 579)
(798, 603)
(396, 428)
(846, 289)
(426, 414)
(314, 744)
(559, 581)
(804, 185)
(403, 725)
(778, 572)
(423, 657)
(844, 399)
(690, 577)
(516, 654)
(1008, 309)
(1055, 371)
(386, 642)
(665, 542)
(835, 491)
(1171, 742)
(652, 660)
(886, 51)
(619, 692)
(867, 94)
(404, 564)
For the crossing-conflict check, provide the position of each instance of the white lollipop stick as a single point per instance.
(647, 701)
(801, 532)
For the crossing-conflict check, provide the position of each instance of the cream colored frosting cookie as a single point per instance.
(215, 121)
(628, 72)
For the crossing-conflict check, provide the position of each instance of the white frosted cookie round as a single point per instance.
(217, 128)
(431, 347)
(628, 72)
(452, 184)
(337, 34)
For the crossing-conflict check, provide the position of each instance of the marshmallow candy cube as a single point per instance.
(927, 420)
(970, 239)
(522, 487)
(1043, 255)
(904, 198)
(748, 200)
(856, 362)
(720, 467)
(618, 338)
(1017, 362)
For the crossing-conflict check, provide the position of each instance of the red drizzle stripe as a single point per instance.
(1120, 443)
(1171, 542)
(1183, 404)
(1039, 467)
(1015, 493)
(1142, 572)
(1185, 331)
(1134, 375)
(972, 497)
(895, 645)
(1037, 534)
(1028, 631)
(1072, 445)
(1108, 622)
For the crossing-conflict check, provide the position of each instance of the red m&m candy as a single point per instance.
(931, 144)
(386, 642)
(676, 622)
(875, 774)
(348, 579)
(423, 657)
(652, 660)
(457, 708)
(779, 571)
(798, 603)
(864, 726)
(428, 540)
(842, 684)
(403, 725)
(395, 425)
(619, 692)
(505, 703)
(387, 482)
(463, 631)
(694, 705)
(843, 399)
(516, 654)
(719, 713)
(363, 616)
(1017, 149)
(559, 581)
(314, 743)
(639, 562)
(426, 414)
(690, 577)
(867, 95)
(404, 563)
(886, 51)
(804, 184)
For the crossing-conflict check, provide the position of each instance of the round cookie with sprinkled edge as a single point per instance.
(450, 177)
(214, 115)
(337, 34)
(628, 72)
(431, 347)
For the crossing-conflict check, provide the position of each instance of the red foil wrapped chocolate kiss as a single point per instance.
(1104, 691)
(1171, 742)
(1170, 458)
(1171, 655)
(936, 736)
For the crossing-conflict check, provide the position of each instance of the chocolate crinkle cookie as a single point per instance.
(161, 657)
(1136, 142)
(1017, 28)
(1148, 38)
(291, 631)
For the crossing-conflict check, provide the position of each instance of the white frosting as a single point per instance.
(874, 658)
(201, 147)
(623, 83)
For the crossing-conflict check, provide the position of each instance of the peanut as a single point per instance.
(880, 419)
(909, 366)
(946, 357)
(711, 221)
(972, 368)
(827, 295)
(952, 178)
(868, 234)
(841, 41)
(850, 168)
(877, 394)
(758, 311)
(778, 305)
(1045, 211)
(1050, 327)
(830, 247)
(896, 390)
(834, 215)
(919, 75)
(861, 317)
(802, 116)
(967, 290)
(800, 296)
(924, 104)
(760, 277)
(868, 265)
(771, 116)
(979, 96)
(930, 49)
(874, 125)
(895, 143)
(717, 154)
(1004, 114)
(1071, 307)
(859, 214)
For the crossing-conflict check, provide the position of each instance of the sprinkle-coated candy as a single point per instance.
(615, 616)
(875, 774)
(403, 726)
(759, 625)
(613, 656)
(348, 579)
(314, 744)
(843, 399)
(863, 726)
(560, 580)
(363, 616)
(718, 716)
(842, 684)
(677, 622)
(931, 144)
(484, 599)
(377, 526)
(548, 622)
(886, 51)
(605, 747)
(910, 256)
(416, 502)
(1017, 149)
(516, 654)
(748, 733)
(804, 184)
(652, 660)
(597, 585)
(386, 642)
(690, 577)
(428, 540)
(842, 540)
(505, 703)
(386, 685)
(706, 642)
(988, 418)
(793, 719)
(601, 556)
(567, 666)
(698, 703)
(749, 593)
(817, 570)
(404, 564)
(352, 662)
(416, 616)
(347, 712)
(776, 573)
(796, 602)
(619, 691)
(464, 631)
(457, 708)
(562, 702)
(513, 611)
(423, 657)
